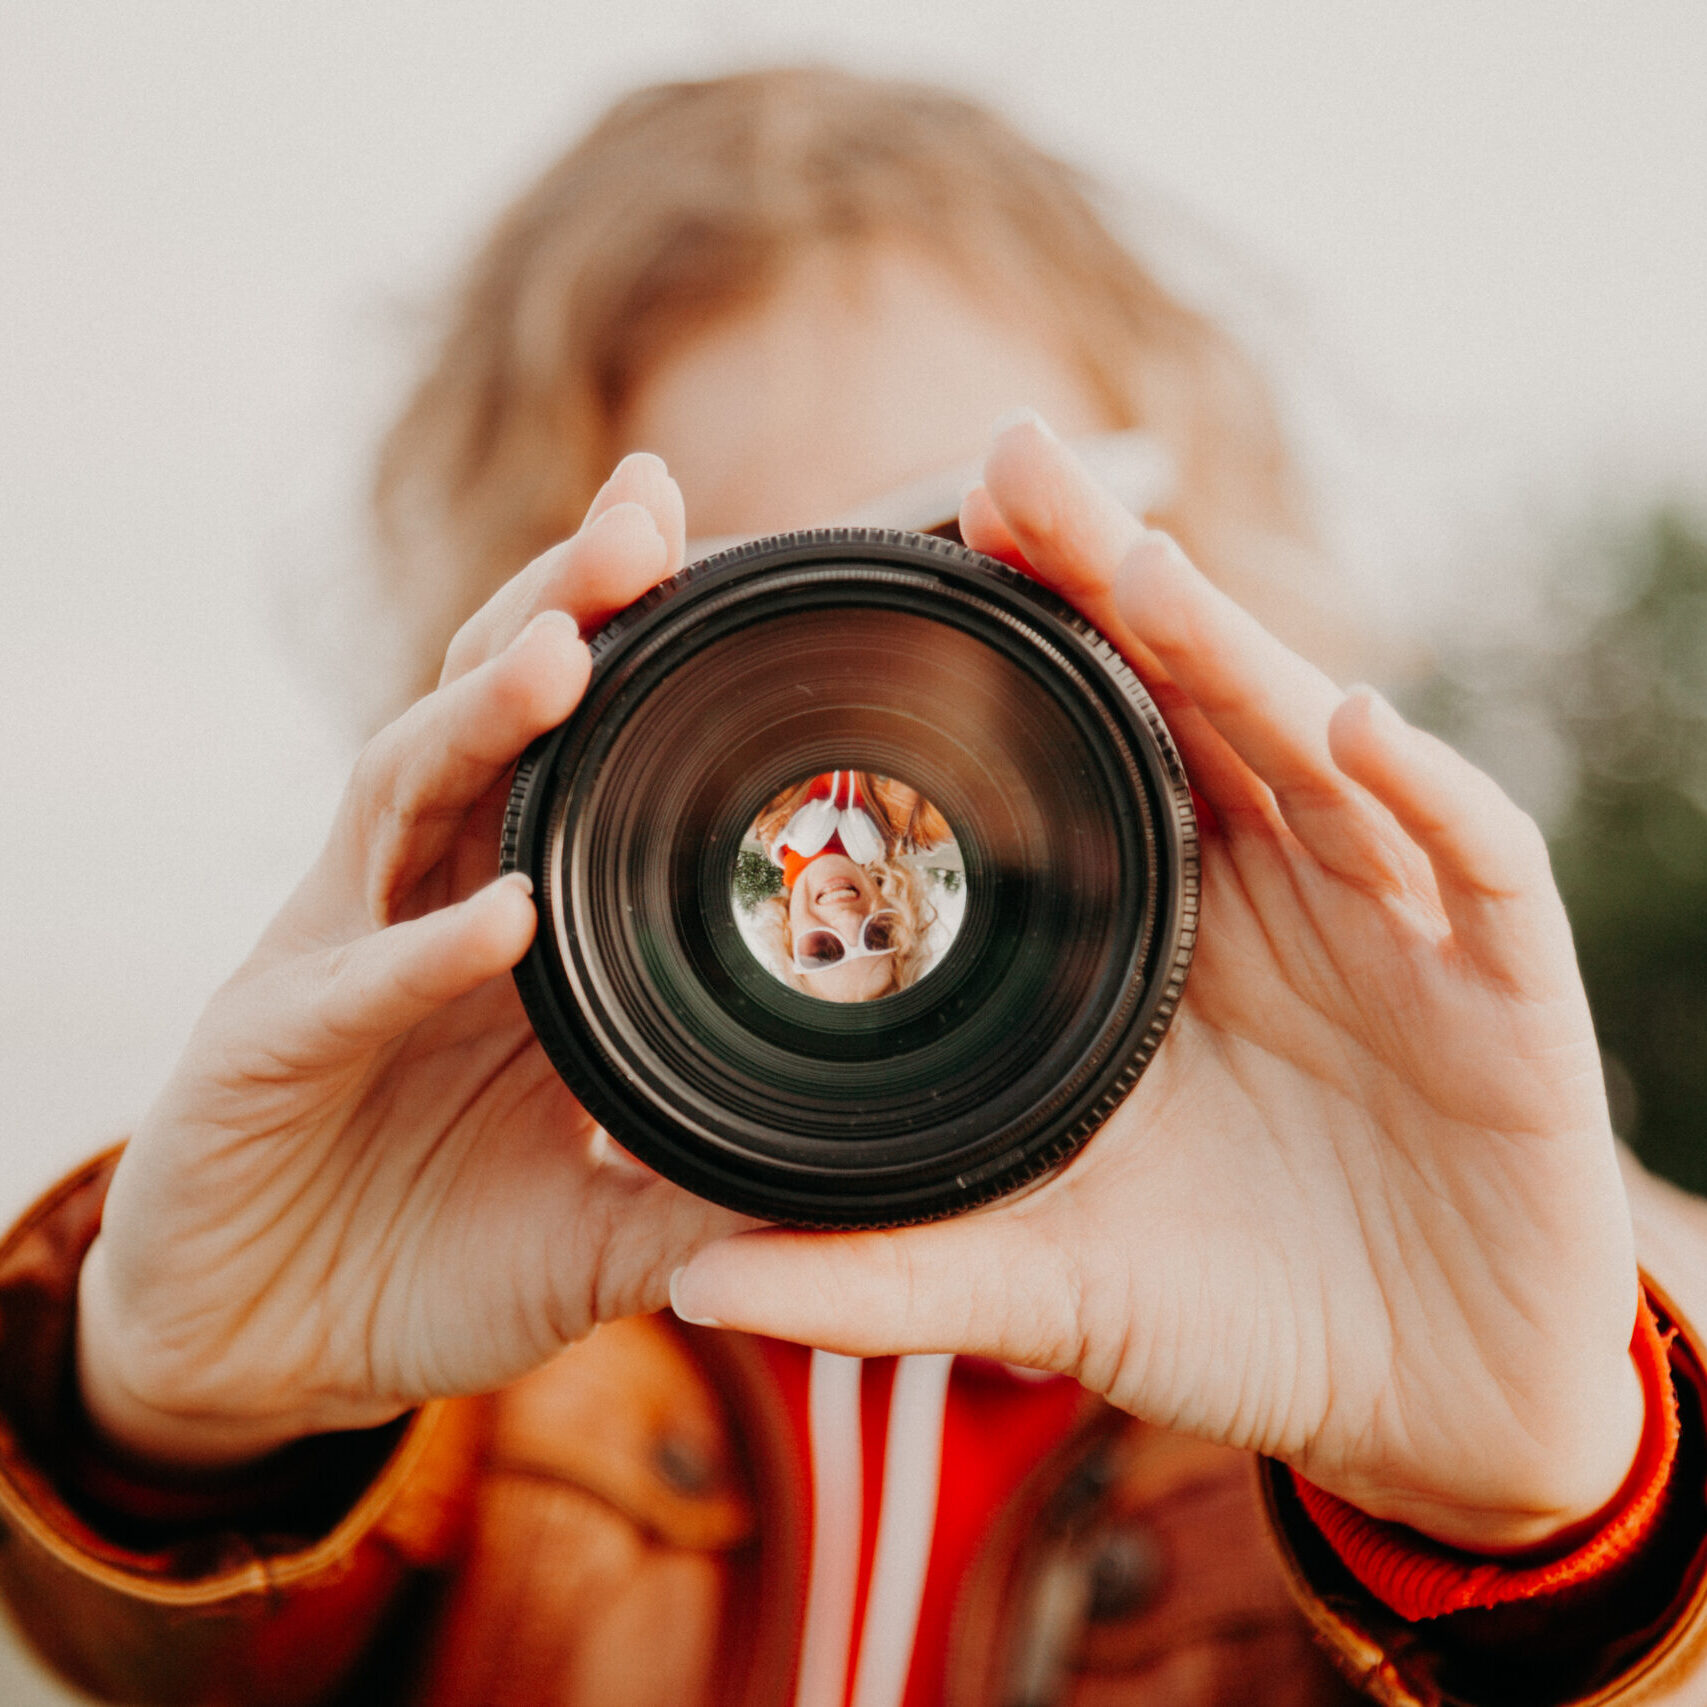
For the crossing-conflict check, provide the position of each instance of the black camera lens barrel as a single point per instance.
(910, 657)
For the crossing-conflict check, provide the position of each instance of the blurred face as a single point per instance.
(860, 375)
(834, 893)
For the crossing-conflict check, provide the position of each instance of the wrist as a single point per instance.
(1520, 1539)
(1545, 1504)
(1528, 1492)
(167, 1412)
(1418, 1578)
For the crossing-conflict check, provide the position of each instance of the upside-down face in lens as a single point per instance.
(862, 859)
(837, 899)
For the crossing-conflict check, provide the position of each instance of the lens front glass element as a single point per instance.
(849, 886)
(866, 876)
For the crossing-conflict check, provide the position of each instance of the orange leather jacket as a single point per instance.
(627, 1528)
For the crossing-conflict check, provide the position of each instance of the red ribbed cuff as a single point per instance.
(1419, 1578)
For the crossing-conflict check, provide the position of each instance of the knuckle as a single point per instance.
(467, 647)
(455, 661)
(1510, 846)
(1528, 843)
(380, 802)
(1173, 629)
(375, 769)
(384, 863)
(1319, 795)
(368, 800)
(338, 963)
(1168, 551)
(514, 698)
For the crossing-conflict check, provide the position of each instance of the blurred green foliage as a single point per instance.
(1600, 710)
(756, 879)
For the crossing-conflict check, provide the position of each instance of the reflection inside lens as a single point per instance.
(849, 886)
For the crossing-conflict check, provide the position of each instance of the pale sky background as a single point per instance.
(1477, 229)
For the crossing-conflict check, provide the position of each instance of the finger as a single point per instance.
(620, 555)
(1053, 522)
(1488, 856)
(609, 563)
(915, 1289)
(630, 541)
(1250, 715)
(1139, 587)
(982, 528)
(608, 582)
(353, 998)
(1070, 533)
(1271, 706)
(642, 478)
(417, 780)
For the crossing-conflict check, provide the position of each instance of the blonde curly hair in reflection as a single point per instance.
(903, 891)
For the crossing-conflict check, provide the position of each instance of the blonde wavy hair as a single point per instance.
(691, 200)
(902, 889)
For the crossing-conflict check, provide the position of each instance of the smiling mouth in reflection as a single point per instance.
(837, 894)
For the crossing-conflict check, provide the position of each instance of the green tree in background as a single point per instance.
(756, 879)
(1608, 695)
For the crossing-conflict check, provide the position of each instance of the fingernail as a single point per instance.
(517, 880)
(1379, 704)
(546, 619)
(627, 514)
(676, 1304)
(1018, 418)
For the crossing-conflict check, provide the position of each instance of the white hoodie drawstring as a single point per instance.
(912, 1469)
(906, 1523)
(838, 1504)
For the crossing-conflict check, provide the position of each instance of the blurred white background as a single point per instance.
(1479, 232)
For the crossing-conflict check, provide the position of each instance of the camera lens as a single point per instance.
(866, 875)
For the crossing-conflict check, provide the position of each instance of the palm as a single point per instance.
(509, 1228)
(1349, 1122)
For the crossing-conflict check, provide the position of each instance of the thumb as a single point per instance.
(341, 1003)
(981, 1285)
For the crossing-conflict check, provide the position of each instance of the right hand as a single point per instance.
(364, 1186)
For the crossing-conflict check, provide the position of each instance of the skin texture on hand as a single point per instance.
(1362, 1213)
(364, 1185)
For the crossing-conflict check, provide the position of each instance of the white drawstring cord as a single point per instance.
(906, 1523)
(838, 1505)
(912, 1474)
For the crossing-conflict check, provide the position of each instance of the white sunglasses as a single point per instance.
(822, 947)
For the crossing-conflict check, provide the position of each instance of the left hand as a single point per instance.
(1362, 1212)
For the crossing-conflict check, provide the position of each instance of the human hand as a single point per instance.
(1362, 1212)
(364, 1184)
